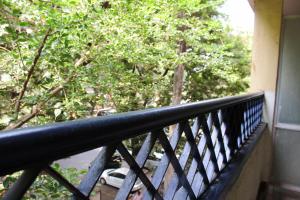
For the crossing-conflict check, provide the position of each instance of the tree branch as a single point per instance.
(19, 51)
(113, 101)
(36, 109)
(165, 72)
(3, 48)
(31, 70)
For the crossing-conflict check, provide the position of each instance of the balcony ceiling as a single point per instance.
(291, 7)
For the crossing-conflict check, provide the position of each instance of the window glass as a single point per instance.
(118, 175)
(289, 81)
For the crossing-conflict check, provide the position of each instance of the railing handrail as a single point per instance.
(27, 147)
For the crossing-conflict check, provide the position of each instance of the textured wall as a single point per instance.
(266, 40)
(257, 169)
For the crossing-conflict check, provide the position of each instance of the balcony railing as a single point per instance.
(212, 134)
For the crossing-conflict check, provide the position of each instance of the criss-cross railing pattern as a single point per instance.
(212, 133)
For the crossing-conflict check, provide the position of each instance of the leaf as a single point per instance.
(57, 112)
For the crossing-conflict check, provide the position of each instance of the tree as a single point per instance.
(120, 54)
(45, 187)
(62, 60)
(69, 59)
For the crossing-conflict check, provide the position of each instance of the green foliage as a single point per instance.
(45, 187)
(119, 54)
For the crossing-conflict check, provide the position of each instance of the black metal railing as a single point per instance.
(206, 136)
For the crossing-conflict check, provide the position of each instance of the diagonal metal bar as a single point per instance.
(251, 116)
(165, 161)
(19, 188)
(229, 121)
(193, 176)
(261, 106)
(248, 119)
(140, 160)
(135, 167)
(196, 180)
(244, 122)
(195, 153)
(54, 174)
(176, 165)
(98, 165)
(174, 182)
(253, 108)
(240, 122)
(220, 138)
(209, 143)
(258, 111)
(261, 109)
(237, 120)
(236, 126)
(254, 114)
(245, 126)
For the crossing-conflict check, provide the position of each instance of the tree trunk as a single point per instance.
(178, 77)
(176, 99)
(178, 84)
